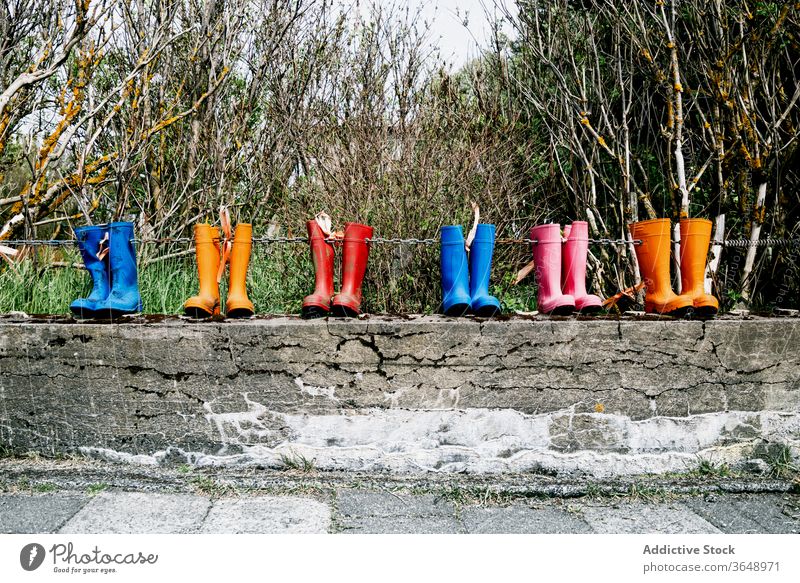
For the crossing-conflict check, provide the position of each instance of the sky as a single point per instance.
(458, 43)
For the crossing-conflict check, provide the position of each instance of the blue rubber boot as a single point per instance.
(89, 244)
(480, 267)
(455, 277)
(124, 297)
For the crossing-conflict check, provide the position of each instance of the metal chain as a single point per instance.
(735, 243)
(397, 241)
(768, 242)
(279, 239)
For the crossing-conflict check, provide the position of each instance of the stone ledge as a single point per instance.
(605, 397)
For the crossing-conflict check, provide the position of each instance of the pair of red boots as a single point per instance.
(355, 252)
(561, 269)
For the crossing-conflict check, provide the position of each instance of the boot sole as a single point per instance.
(567, 310)
(314, 312)
(109, 315)
(341, 311)
(457, 310)
(84, 314)
(487, 312)
(198, 313)
(685, 313)
(239, 313)
(705, 312)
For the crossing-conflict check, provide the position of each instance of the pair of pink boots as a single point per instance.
(561, 269)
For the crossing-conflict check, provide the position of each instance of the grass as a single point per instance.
(399, 279)
(649, 493)
(460, 495)
(708, 468)
(210, 487)
(294, 461)
(782, 465)
(94, 489)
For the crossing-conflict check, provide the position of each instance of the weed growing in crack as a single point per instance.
(782, 465)
(474, 496)
(295, 461)
(707, 468)
(94, 489)
(649, 493)
(212, 488)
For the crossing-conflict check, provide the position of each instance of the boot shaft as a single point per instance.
(574, 255)
(653, 254)
(207, 253)
(355, 252)
(695, 239)
(547, 257)
(480, 269)
(480, 259)
(454, 271)
(240, 258)
(122, 256)
(573, 258)
(322, 255)
(453, 260)
(89, 239)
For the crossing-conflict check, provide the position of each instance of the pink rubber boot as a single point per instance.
(547, 256)
(573, 268)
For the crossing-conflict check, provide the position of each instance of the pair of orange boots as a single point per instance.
(211, 260)
(654, 264)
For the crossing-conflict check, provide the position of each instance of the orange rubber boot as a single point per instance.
(653, 255)
(238, 306)
(695, 239)
(206, 303)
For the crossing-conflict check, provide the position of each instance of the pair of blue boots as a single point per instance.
(115, 283)
(468, 291)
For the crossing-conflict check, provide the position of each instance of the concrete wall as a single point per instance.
(603, 397)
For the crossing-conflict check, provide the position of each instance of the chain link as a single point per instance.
(397, 241)
(269, 240)
(768, 242)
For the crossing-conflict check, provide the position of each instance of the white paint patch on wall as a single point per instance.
(329, 392)
(481, 441)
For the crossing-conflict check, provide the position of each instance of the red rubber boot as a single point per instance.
(318, 304)
(354, 264)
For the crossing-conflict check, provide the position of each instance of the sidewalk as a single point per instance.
(84, 496)
(369, 511)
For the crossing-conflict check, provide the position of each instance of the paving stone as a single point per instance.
(638, 518)
(136, 513)
(38, 513)
(401, 525)
(367, 503)
(519, 519)
(765, 513)
(268, 515)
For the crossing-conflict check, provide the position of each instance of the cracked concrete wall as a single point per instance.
(419, 394)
